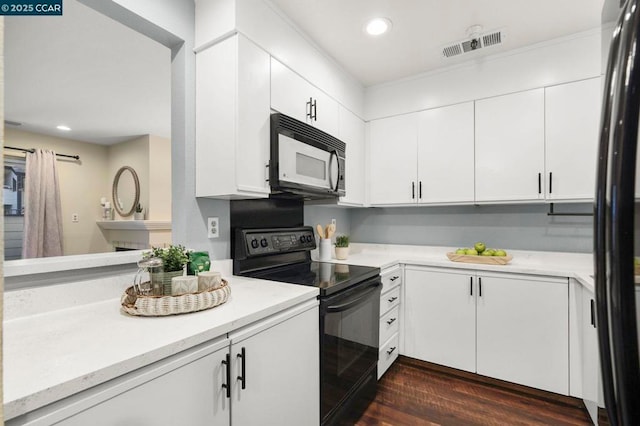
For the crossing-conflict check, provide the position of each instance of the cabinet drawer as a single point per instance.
(391, 279)
(389, 300)
(389, 324)
(388, 353)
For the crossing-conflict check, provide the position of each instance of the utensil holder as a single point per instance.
(325, 249)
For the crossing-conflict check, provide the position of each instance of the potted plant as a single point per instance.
(174, 259)
(138, 215)
(342, 247)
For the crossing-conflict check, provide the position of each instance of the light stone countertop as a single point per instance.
(556, 264)
(52, 355)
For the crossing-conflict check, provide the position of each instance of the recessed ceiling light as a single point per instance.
(65, 128)
(377, 26)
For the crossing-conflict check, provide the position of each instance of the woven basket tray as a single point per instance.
(155, 306)
(485, 260)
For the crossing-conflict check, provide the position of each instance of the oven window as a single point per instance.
(309, 166)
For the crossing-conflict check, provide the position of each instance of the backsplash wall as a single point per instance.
(520, 227)
(315, 214)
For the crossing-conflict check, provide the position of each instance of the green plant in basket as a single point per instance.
(173, 257)
(342, 241)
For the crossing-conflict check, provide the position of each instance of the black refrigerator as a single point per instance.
(616, 234)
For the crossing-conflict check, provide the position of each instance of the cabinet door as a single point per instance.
(294, 96)
(522, 331)
(392, 160)
(352, 133)
(446, 154)
(281, 374)
(590, 357)
(439, 318)
(510, 147)
(191, 394)
(572, 124)
(232, 120)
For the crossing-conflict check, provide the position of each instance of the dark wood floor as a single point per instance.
(413, 392)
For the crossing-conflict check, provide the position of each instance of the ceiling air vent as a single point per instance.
(474, 41)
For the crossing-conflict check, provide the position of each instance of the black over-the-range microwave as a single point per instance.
(305, 161)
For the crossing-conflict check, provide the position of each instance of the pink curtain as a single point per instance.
(42, 235)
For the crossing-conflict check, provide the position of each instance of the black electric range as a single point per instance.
(349, 312)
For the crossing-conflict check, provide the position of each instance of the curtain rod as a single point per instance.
(75, 157)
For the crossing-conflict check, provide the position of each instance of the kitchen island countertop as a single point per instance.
(52, 355)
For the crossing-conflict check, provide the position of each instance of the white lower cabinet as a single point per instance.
(280, 372)
(523, 330)
(585, 344)
(510, 327)
(390, 308)
(590, 356)
(440, 317)
(184, 389)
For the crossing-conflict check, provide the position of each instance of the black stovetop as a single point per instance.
(330, 278)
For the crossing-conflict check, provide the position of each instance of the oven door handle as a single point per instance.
(355, 301)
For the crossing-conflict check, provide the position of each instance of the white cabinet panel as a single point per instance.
(509, 138)
(392, 160)
(294, 96)
(439, 318)
(572, 123)
(232, 120)
(282, 379)
(522, 331)
(189, 394)
(446, 154)
(590, 356)
(352, 134)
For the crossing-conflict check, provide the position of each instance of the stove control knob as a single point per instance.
(254, 243)
(302, 239)
(264, 242)
(309, 238)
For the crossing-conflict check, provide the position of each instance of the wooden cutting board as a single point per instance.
(486, 260)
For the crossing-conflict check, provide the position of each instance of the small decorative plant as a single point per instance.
(173, 257)
(342, 241)
(139, 208)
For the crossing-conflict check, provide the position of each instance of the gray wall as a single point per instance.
(521, 227)
(322, 215)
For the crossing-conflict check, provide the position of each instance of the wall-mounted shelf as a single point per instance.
(135, 225)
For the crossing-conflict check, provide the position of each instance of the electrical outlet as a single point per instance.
(333, 222)
(213, 230)
(75, 218)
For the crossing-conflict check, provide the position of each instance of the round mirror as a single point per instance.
(126, 191)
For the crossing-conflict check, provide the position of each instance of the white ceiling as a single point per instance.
(422, 27)
(84, 70)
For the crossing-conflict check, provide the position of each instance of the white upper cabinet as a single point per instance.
(352, 134)
(292, 95)
(572, 121)
(446, 154)
(232, 120)
(392, 160)
(509, 142)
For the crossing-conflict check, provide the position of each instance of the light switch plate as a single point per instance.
(213, 230)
